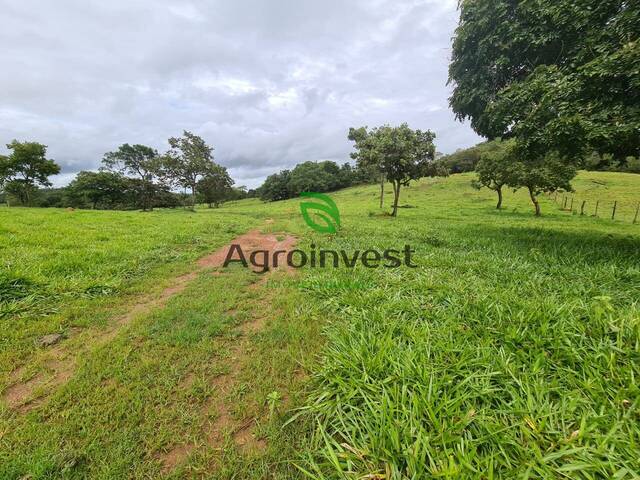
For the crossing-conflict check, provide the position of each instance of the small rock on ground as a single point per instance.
(49, 340)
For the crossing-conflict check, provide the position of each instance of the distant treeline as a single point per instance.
(325, 176)
(466, 159)
(111, 191)
(131, 177)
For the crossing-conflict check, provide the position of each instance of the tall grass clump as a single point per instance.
(512, 351)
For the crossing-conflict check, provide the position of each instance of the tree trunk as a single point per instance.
(499, 205)
(381, 190)
(193, 198)
(144, 193)
(534, 199)
(396, 197)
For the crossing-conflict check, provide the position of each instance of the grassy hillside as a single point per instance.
(512, 350)
(605, 188)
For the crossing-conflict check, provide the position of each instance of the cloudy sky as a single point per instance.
(268, 83)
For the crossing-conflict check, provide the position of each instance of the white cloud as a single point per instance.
(269, 84)
(186, 11)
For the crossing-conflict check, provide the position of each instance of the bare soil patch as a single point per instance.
(249, 242)
(223, 424)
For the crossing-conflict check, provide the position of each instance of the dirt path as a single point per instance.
(59, 362)
(241, 432)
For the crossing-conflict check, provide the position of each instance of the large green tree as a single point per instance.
(141, 162)
(399, 153)
(315, 177)
(102, 189)
(559, 75)
(216, 186)
(189, 160)
(324, 176)
(25, 169)
(276, 187)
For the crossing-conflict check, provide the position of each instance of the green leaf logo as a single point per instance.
(327, 211)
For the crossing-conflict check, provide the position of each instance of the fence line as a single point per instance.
(566, 202)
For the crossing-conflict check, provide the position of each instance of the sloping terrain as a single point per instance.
(511, 350)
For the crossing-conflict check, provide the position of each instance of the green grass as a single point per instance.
(603, 189)
(59, 268)
(512, 351)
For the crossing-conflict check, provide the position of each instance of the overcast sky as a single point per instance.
(268, 83)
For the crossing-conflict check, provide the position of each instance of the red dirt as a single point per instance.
(242, 433)
(249, 242)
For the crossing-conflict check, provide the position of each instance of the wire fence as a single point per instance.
(612, 209)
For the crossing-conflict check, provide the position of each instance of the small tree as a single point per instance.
(188, 160)
(548, 174)
(494, 169)
(140, 161)
(400, 154)
(215, 186)
(25, 169)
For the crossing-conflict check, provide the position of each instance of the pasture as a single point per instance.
(512, 350)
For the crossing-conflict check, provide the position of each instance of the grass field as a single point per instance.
(512, 351)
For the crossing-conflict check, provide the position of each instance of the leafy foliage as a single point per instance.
(216, 186)
(140, 161)
(399, 153)
(189, 160)
(323, 176)
(546, 174)
(26, 168)
(99, 189)
(465, 159)
(494, 168)
(567, 82)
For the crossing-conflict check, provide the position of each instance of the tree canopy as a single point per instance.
(189, 160)
(558, 75)
(494, 168)
(103, 189)
(139, 160)
(466, 159)
(26, 168)
(399, 153)
(545, 174)
(325, 176)
(216, 186)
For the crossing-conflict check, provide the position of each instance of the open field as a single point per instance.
(601, 190)
(513, 350)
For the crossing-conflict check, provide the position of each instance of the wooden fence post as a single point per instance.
(582, 207)
(635, 218)
(571, 207)
(613, 213)
(597, 203)
(564, 205)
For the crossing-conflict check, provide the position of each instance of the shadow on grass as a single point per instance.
(585, 246)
